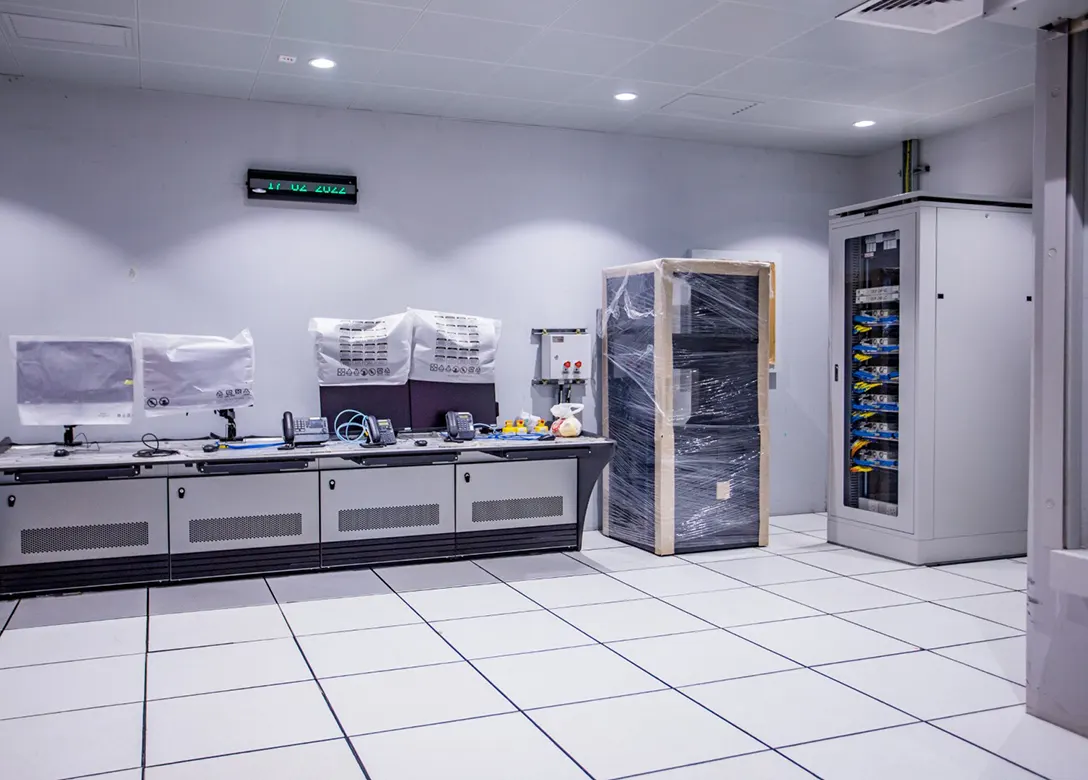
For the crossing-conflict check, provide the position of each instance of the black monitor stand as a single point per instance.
(232, 427)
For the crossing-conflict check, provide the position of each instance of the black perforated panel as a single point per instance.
(516, 509)
(382, 517)
(83, 537)
(224, 529)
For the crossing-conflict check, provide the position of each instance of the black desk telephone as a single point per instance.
(459, 426)
(304, 431)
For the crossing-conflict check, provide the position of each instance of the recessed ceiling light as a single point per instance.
(864, 123)
(626, 96)
(323, 63)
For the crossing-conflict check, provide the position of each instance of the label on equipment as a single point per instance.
(877, 294)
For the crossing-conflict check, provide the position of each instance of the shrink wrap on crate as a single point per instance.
(685, 382)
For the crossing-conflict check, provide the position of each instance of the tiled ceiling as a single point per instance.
(782, 73)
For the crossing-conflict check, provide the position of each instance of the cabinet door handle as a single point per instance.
(836, 372)
(181, 492)
(468, 477)
(332, 484)
(11, 500)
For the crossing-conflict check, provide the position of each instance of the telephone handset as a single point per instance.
(459, 426)
(304, 431)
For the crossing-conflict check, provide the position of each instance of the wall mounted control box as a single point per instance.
(565, 356)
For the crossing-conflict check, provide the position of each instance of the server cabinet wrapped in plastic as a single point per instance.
(685, 379)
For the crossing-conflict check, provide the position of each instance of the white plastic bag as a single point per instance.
(377, 351)
(454, 347)
(73, 381)
(566, 424)
(189, 373)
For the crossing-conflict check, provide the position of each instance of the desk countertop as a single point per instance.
(40, 456)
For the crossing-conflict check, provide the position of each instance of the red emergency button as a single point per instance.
(578, 364)
(567, 364)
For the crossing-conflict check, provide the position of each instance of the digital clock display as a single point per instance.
(310, 187)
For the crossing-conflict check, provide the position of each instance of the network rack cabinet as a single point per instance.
(685, 378)
(931, 320)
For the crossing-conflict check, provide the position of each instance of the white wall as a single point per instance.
(125, 211)
(992, 157)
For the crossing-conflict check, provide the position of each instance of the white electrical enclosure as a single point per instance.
(565, 356)
(930, 349)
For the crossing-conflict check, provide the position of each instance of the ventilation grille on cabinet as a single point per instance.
(224, 529)
(929, 16)
(516, 509)
(83, 537)
(382, 517)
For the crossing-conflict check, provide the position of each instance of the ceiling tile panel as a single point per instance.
(243, 16)
(444, 35)
(677, 65)
(196, 80)
(810, 115)
(537, 12)
(976, 112)
(345, 22)
(744, 29)
(78, 66)
(602, 94)
(645, 20)
(707, 107)
(314, 92)
(193, 46)
(770, 77)
(351, 64)
(118, 9)
(825, 9)
(578, 52)
(913, 55)
(971, 85)
(584, 118)
(533, 84)
(8, 65)
(433, 73)
(495, 109)
(403, 100)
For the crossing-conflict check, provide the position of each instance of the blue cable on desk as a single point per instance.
(263, 445)
(357, 420)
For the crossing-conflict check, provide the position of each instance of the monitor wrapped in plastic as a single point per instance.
(191, 373)
(73, 381)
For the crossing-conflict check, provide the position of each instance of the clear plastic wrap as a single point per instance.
(687, 353)
(180, 374)
(73, 381)
(377, 351)
(454, 347)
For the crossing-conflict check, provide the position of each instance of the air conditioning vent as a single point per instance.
(40, 29)
(928, 16)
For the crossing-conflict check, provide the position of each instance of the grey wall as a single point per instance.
(125, 211)
(992, 157)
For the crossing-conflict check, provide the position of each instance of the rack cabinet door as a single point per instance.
(243, 512)
(82, 521)
(873, 381)
(386, 502)
(494, 496)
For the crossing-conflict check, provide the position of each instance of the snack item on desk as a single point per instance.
(566, 424)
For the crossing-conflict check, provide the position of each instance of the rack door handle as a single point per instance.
(836, 372)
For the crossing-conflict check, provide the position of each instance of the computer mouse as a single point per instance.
(421, 442)
(61, 453)
(210, 447)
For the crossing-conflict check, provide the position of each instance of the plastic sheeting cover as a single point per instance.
(454, 347)
(685, 350)
(73, 381)
(186, 373)
(376, 351)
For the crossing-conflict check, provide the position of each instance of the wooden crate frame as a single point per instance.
(664, 271)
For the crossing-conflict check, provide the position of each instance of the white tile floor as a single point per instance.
(799, 660)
